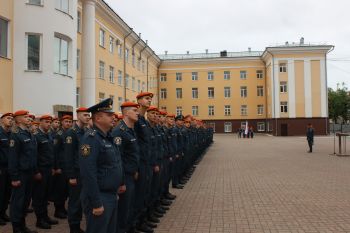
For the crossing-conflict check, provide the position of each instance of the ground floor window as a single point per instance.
(261, 126)
(228, 127)
(212, 125)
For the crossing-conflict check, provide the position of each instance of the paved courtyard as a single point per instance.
(265, 184)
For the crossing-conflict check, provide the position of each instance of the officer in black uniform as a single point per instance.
(45, 162)
(101, 171)
(179, 152)
(5, 182)
(22, 165)
(71, 143)
(130, 152)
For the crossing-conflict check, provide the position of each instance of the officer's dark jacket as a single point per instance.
(4, 147)
(163, 133)
(310, 134)
(129, 148)
(58, 148)
(154, 147)
(100, 166)
(71, 141)
(185, 139)
(22, 153)
(45, 157)
(143, 133)
(179, 141)
(169, 146)
(173, 143)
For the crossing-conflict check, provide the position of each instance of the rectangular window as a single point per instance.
(283, 67)
(138, 86)
(33, 60)
(212, 125)
(261, 126)
(210, 92)
(244, 110)
(244, 92)
(227, 92)
(34, 2)
(284, 106)
(101, 70)
(178, 110)
(227, 110)
(101, 96)
(111, 74)
(194, 93)
(102, 38)
(120, 101)
(211, 110)
(61, 56)
(228, 127)
(195, 110)
(283, 87)
(227, 75)
(259, 74)
(163, 77)
(178, 93)
(260, 109)
(3, 37)
(178, 77)
(260, 90)
(138, 64)
(77, 97)
(163, 93)
(127, 55)
(112, 97)
(133, 84)
(143, 86)
(143, 66)
(79, 21)
(111, 44)
(243, 74)
(120, 49)
(78, 59)
(126, 81)
(120, 78)
(163, 108)
(194, 76)
(133, 59)
(210, 75)
(63, 5)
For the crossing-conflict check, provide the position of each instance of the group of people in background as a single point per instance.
(245, 132)
(115, 169)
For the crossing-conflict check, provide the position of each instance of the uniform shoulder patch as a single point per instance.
(69, 140)
(118, 140)
(12, 143)
(60, 132)
(15, 130)
(122, 128)
(92, 132)
(85, 150)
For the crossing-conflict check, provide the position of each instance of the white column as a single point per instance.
(323, 88)
(307, 88)
(272, 90)
(291, 88)
(277, 89)
(88, 82)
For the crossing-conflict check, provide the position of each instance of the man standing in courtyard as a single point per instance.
(310, 136)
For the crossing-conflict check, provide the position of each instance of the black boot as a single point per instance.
(27, 230)
(2, 222)
(16, 228)
(42, 224)
(50, 220)
(5, 217)
(144, 228)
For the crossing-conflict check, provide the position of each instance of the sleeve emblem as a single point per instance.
(85, 150)
(12, 143)
(118, 140)
(69, 140)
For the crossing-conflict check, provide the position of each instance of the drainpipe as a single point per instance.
(124, 62)
(274, 93)
(158, 75)
(325, 61)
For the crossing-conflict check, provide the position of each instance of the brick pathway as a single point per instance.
(268, 184)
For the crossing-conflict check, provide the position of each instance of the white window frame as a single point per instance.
(282, 67)
(284, 106)
(163, 77)
(227, 92)
(261, 126)
(101, 70)
(195, 110)
(227, 110)
(228, 127)
(77, 97)
(243, 74)
(120, 78)
(210, 75)
(111, 74)
(79, 21)
(211, 110)
(260, 91)
(133, 83)
(227, 75)
(283, 87)
(40, 51)
(194, 76)
(78, 59)
(127, 55)
(195, 93)
(120, 51)
(127, 81)
(138, 86)
(244, 91)
(102, 37)
(35, 4)
(111, 44)
(178, 77)
(178, 110)
(163, 93)
(211, 92)
(259, 74)
(244, 110)
(60, 58)
(260, 109)
(178, 93)
(7, 39)
(59, 6)
(212, 125)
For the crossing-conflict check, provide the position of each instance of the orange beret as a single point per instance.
(68, 117)
(129, 104)
(120, 116)
(163, 113)
(32, 116)
(152, 108)
(142, 94)
(35, 123)
(55, 119)
(81, 109)
(7, 114)
(170, 115)
(21, 113)
(46, 117)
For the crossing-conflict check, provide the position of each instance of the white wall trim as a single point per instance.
(307, 87)
(272, 91)
(277, 90)
(291, 88)
(211, 68)
(323, 88)
(109, 30)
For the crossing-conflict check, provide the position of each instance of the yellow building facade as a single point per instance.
(88, 53)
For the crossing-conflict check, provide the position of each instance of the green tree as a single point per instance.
(339, 104)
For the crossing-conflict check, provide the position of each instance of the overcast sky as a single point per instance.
(234, 25)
